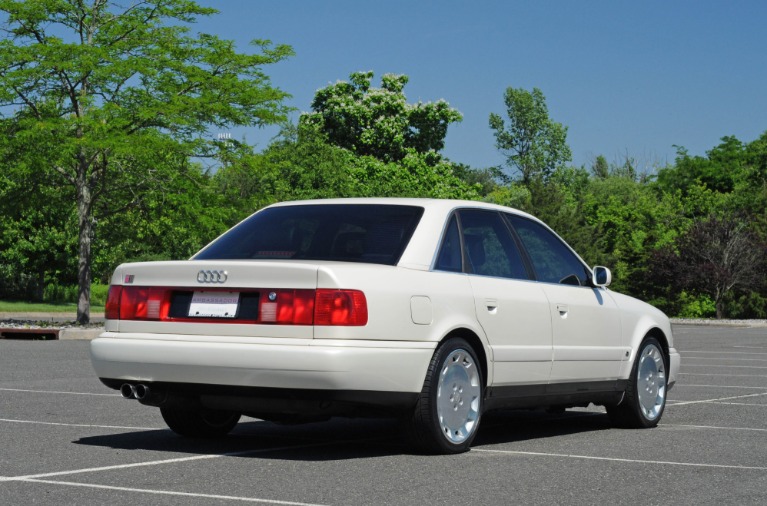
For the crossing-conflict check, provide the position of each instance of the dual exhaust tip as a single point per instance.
(138, 391)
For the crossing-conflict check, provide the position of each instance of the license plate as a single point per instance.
(214, 305)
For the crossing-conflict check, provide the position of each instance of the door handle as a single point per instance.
(562, 309)
(492, 306)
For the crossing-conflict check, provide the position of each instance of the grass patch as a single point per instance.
(9, 306)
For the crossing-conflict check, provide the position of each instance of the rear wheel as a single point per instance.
(645, 397)
(199, 423)
(449, 408)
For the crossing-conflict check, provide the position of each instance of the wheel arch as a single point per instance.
(658, 334)
(477, 345)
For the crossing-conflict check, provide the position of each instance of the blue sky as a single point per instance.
(626, 78)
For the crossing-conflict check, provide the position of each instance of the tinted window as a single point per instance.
(489, 246)
(553, 261)
(344, 232)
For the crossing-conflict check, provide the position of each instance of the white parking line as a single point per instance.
(708, 401)
(719, 374)
(733, 366)
(613, 459)
(172, 493)
(741, 404)
(712, 427)
(687, 352)
(165, 461)
(61, 424)
(117, 396)
(731, 359)
(719, 386)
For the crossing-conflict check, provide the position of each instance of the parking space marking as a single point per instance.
(172, 493)
(731, 359)
(36, 422)
(116, 396)
(741, 404)
(615, 459)
(708, 401)
(719, 353)
(712, 427)
(719, 374)
(167, 461)
(733, 366)
(719, 386)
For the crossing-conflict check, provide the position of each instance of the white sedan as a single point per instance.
(434, 311)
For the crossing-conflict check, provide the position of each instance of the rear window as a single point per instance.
(371, 233)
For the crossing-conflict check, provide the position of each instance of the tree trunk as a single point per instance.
(85, 218)
(719, 309)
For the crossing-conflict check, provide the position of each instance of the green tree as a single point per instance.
(600, 168)
(534, 144)
(379, 122)
(716, 257)
(96, 95)
(357, 142)
(302, 164)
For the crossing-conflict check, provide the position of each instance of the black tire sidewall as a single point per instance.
(634, 385)
(438, 362)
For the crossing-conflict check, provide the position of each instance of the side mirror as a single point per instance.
(601, 276)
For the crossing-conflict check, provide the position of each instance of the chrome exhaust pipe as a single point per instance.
(141, 392)
(144, 394)
(128, 391)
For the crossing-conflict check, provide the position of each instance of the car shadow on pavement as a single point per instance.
(345, 439)
(335, 439)
(511, 426)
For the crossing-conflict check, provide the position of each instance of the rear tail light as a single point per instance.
(112, 309)
(287, 307)
(280, 307)
(340, 307)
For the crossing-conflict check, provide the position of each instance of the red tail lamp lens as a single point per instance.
(144, 303)
(340, 307)
(287, 307)
(112, 308)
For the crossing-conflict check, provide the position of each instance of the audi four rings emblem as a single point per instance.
(212, 276)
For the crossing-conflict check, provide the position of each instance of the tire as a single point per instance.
(202, 423)
(645, 398)
(449, 408)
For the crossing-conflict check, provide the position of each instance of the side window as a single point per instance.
(490, 249)
(449, 258)
(553, 261)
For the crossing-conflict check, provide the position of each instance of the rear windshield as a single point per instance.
(368, 233)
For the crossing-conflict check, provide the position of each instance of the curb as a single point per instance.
(73, 333)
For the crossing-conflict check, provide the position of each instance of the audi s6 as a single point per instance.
(431, 311)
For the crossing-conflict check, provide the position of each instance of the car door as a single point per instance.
(512, 309)
(586, 327)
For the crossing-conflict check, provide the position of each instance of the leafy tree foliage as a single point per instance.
(533, 143)
(357, 142)
(301, 164)
(715, 257)
(379, 122)
(104, 99)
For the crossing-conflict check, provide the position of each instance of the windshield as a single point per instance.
(371, 233)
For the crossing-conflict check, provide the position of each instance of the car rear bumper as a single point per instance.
(288, 364)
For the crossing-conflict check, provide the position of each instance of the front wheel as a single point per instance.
(199, 423)
(449, 408)
(645, 397)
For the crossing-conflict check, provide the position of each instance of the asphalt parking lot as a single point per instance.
(66, 439)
